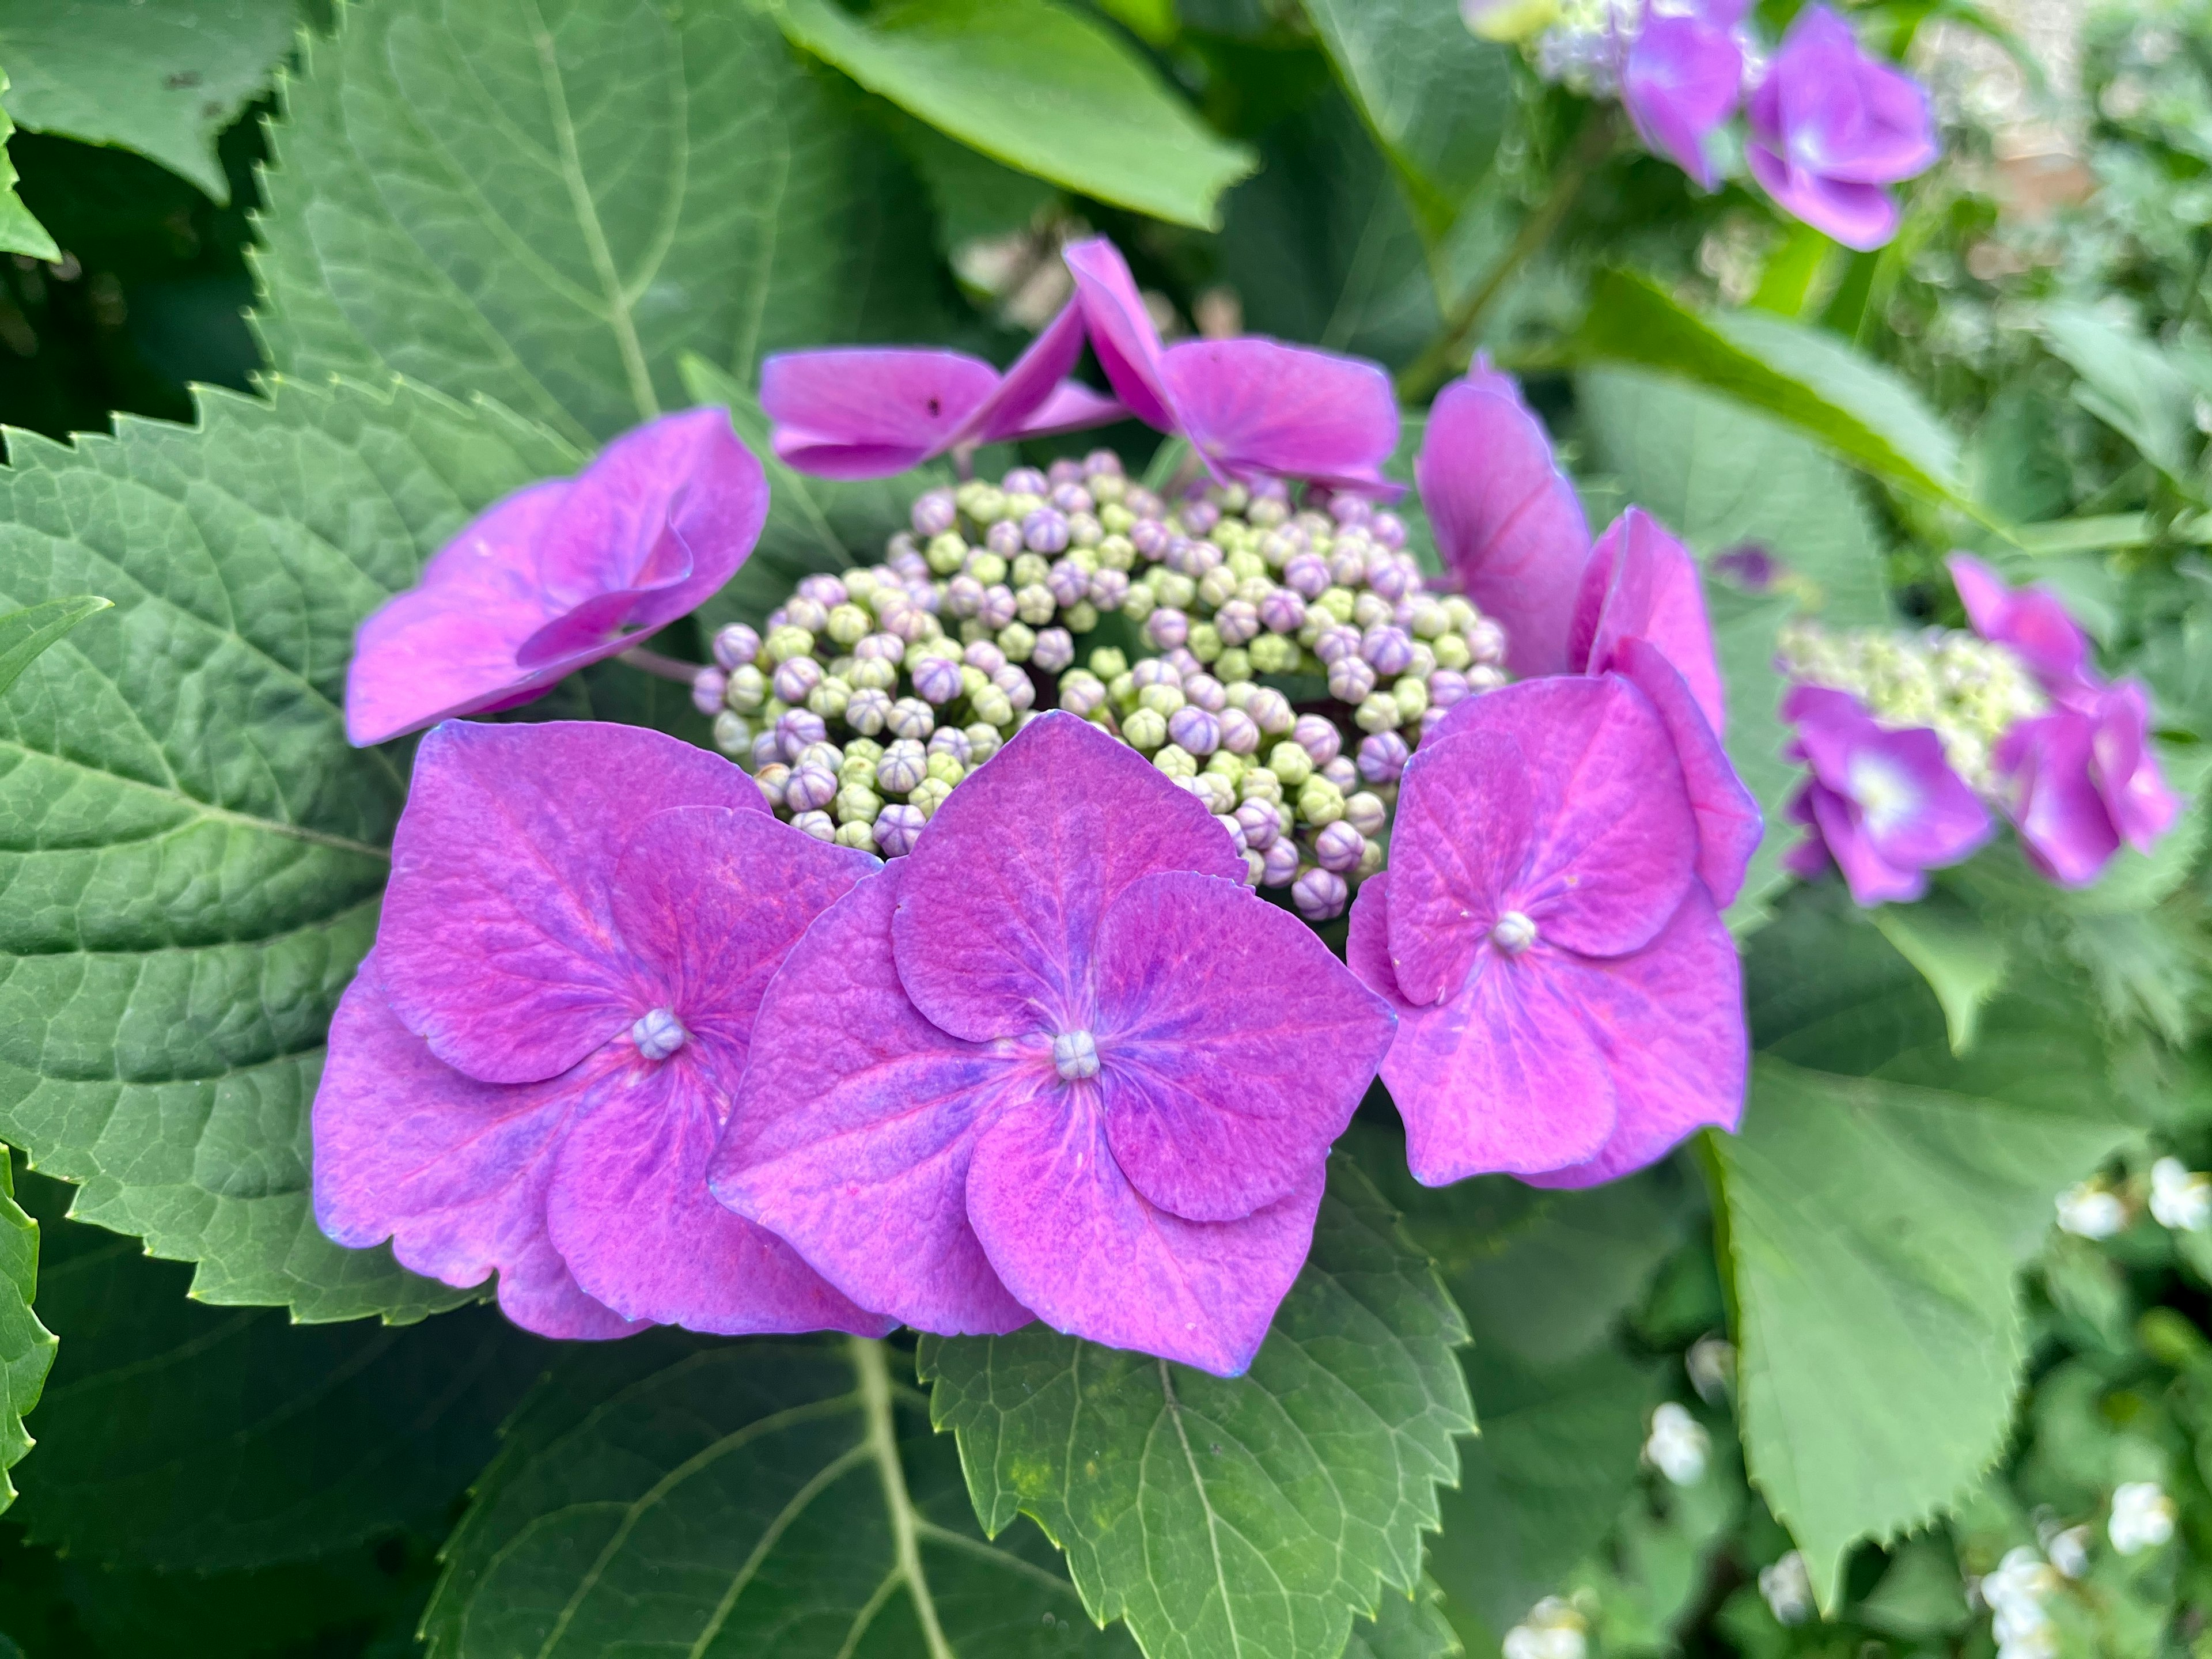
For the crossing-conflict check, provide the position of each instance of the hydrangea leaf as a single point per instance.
(1963, 958)
(194, 856)
(2129, 383)
(669, 1494)
(161, 78)
(24, 634)
(551, 206)
(1039, 87)
(19, 231)
(1407, 1628)
(27, 1347)
(1878, 1201)
(182, 1437)
(1232, 1519)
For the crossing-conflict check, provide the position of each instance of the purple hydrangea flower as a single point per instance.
(1831, 126)
(1569, 1004)
(1884, 807)
(1056, 1062)
(530, 1072)
(559, 575)
(1247, 404)
(2033, 623)
(1681, 79)
(868, 411)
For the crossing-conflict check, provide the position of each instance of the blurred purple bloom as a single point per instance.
(1057, 1062)
(868, 411)
(1681, 80)
(1884, 807)
(531, 1070)
(559, 575)
(2033, 623)
(1751, 566)
(1569, 1004)
(1248, 406)
(1830, 126)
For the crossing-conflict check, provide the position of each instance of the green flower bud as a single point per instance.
(983, 742)
(1122, 689)
(986, 567)
(991, 706)
(1162, 700)
(1216, 588)
(1379, 713)
(1338, 602)
(784, 643)
(1139, 602)
(1118, 552)
(1172, 589)
(1145, 729)
(1084, 529)
(1018, 641)
(871, 674)
(1272, 653)
(1080, 617)
(1429, 622)
(1260, 783)
(1028, 569)
(860, 772)
(947, 553)
(772, 711)
(1034, 604)
(1233, 666)
(929, 795)
(734, 734)
(828, 699)
(1107, 486)
(1019, 505)
(1205, 641)
(1424, 661)
(1290, 762)
(858, 804)
(1371, 859)
(1107, 663)
(978, 500)
(1452, 653)
(1114, 518)
(1176, 762)
(1410, 695)
(947, 768)
(1461, 615)
(847, 624)
(747, 689)
(1224, 763)
(1320, 801)
(972, 680)
(866, 749)
(856, 833)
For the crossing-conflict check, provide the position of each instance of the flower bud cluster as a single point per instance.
(1965, 689)
(867, 697)
(1555, 1628)
(2014, 1595)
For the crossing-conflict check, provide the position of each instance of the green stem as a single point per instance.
(1447, 353)
(667, 668)
(875, 1375)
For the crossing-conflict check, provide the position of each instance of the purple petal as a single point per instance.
(999, 901)
(1670, 1020)
(1035, 397)
(2142, 806)
(1367, 942)
(1506, 518)
(1873, 878)
(2032, 622)
(1641, 583)
(629, 1212)
(855, 1123)
(1073, 407)
(868, 411)
(1254, 406)
(1729, 826)
(1234, 1046)
(1907, 805)
(1681, 82)
(1122, 337)
(1074, 1241)
(1863, 217)
(498, 942)
(452, 1170)
(2063, 824)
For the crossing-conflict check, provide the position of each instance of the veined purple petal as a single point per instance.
(2142, 806)
(1904, 800)
(2064, 826)
(1035, 397)
(1254, 405)
(1680, 83)
(2033, 621)
(1641, 583)
(1862, 217)
(861, 411)
(1839, 825)
(1729, 823)
(1122, 337)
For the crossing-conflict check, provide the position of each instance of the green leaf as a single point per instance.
(676, 1495)
(552, 208)
(27, 1347)
(1435, 96)
(1721, 475)
(1964, 959)
(1878, 1201)
(1805, 376)
(1407, 1628)
(2127, 382)
(1244, 1517)
(24, 634)
(19, 231)
(194, 856)
(1040, 87)
(189, 1438)
(161, 78)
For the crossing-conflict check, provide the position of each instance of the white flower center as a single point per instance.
(1075, 1055)
(1886, 792)
(658, 1034)
(1513, 933)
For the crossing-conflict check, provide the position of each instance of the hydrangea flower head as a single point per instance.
(1056, 1061)
(1569, 1001)
(1248, 406)
(531, 1070)
(1831, 126)
(562, 575)
(1681, 79)
(2033, 621)
(1884, 807)
(868, 411)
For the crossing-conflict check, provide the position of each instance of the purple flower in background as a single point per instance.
(1569, 1004)
(1681, 79)
(868, 411)
(561, 575)
(1248, 406)
(531, 1070)
(1056, 1062)
(1831, 126)
(1506, 519)
(1884, 807)
(2033, 623)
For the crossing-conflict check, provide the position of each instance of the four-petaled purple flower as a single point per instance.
(868, 411)
(1248, 406)
(1884, 807)
(532, 1068)
(1056, 1061)
(562, 575)
(1569, 1002)
(1830, 126)
(1681, 80)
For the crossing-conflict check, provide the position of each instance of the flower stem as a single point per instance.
(870, 1365)
(1447, 353)
(667, 668)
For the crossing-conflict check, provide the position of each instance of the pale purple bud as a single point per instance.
(1307, 574)
(1320, 894)
(1208, 693)
(922, 593)
(797, 727)
(1338, 846)
(906, 560)
(1383, 756)
(934, 513)
(1347, 508)
(963, 596)
(997, 608)
(1259, 824)
(1484, 678)
(766, 750)
(1347, 566)
(1319, 738)
(1195, 730)
(1071, 497)
(1216, 791)
(1053, 650)
(1446, 687)
(1388, 650)
(1284, 611)
(1350, 679)
(1020, 691)
(1102, 460)
(1239, 735)
(707, 686)
(1431, 718)
(808, 787)
(1389, 578)
(1166, 627)
(1044, 531)
(867, 710)
(951, 740)
(1234, 830)
(1236, 622)
(771, 779)
(1004, 539)
(1065, 470)
(736, 646)
(1200, 558)
(1337, 642)
(824, 589)
(1485, 642)
(1342, 773)
(911, 623)
(896, 829)
(902, 768)
(1082, 697)
(1180, 665)
(796, 677)
(1069, 581)
(1144, 504)
(884, 648)
(981, 653)
(1108, 588)
(1282, 863)
(809, 614)
(937, 680)
(1149, 672)
(1369, 608)
(1389, 529)
(817, 824)
(1199, 516)
(1025, 480)
(1149, 537)
(910, 717)
(1270, 710)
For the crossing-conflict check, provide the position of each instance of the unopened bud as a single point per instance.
(1195, 729)
(896, 829)
(1350, 679)
(736, 646)
(707, 686)
(904, 766)
(1338, 847)
(1320, 894)
(817, 824)
(808, 787)
(1319, 738)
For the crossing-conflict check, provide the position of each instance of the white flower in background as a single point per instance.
(1712, 1365)
(1552, 1630)
(2179, 1198)
(2070, 1551)
(1788, 1588)
(2015, 1593)
(2142, 1517)
(2089, 1211)
(1678, 1446)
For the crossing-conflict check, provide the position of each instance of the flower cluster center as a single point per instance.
(1513, 933)
(1075, 1055)
(658, 1034)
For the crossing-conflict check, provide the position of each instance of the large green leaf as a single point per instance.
(1878, 1200)
(2128, 383)
(162, 77)
(1436, 96)
(24, 634)
(27, 1347)
(19, 231)
(1233, 1519)
(670, 1495)
(189, 1438)
(1041, 88)
(191, 855)
(551, 203)
(1721, 476)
